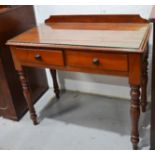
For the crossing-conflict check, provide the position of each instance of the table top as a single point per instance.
(105, 36)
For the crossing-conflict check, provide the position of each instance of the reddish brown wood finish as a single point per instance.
(13, 21)
(27, 95)
(128, 37)
(3, 6)
(39, 57)
(135, 82)
(83, 59)
(96, 19)
(112, 60)
(61, 63)
(135, 113)
(135, 69)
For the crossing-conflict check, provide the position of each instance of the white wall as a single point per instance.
(98, 84)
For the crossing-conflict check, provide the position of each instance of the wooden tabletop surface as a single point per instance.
(122, 36)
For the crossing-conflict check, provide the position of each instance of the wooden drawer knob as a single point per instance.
(38, 57)
(96, 61)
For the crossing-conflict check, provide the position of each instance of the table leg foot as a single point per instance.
(135, 113)
(34, 119)
(135, 147)
(55, 83)
(27, 95)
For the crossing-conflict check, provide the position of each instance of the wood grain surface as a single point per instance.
(124, 36)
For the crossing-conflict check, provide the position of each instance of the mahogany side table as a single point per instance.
(99, 44)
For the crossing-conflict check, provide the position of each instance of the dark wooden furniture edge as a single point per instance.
(16, 100)
(97, 18)
(152, 135)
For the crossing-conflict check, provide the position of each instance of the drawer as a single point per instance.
(97, 60)
(40, 57)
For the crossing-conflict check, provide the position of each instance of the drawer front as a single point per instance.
(96, 60)
(40, 57)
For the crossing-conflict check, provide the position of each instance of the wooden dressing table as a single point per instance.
(103, 44)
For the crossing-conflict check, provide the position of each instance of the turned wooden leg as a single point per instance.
(55, 83)
(26, 92)
(144, 82)
(135, 113)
